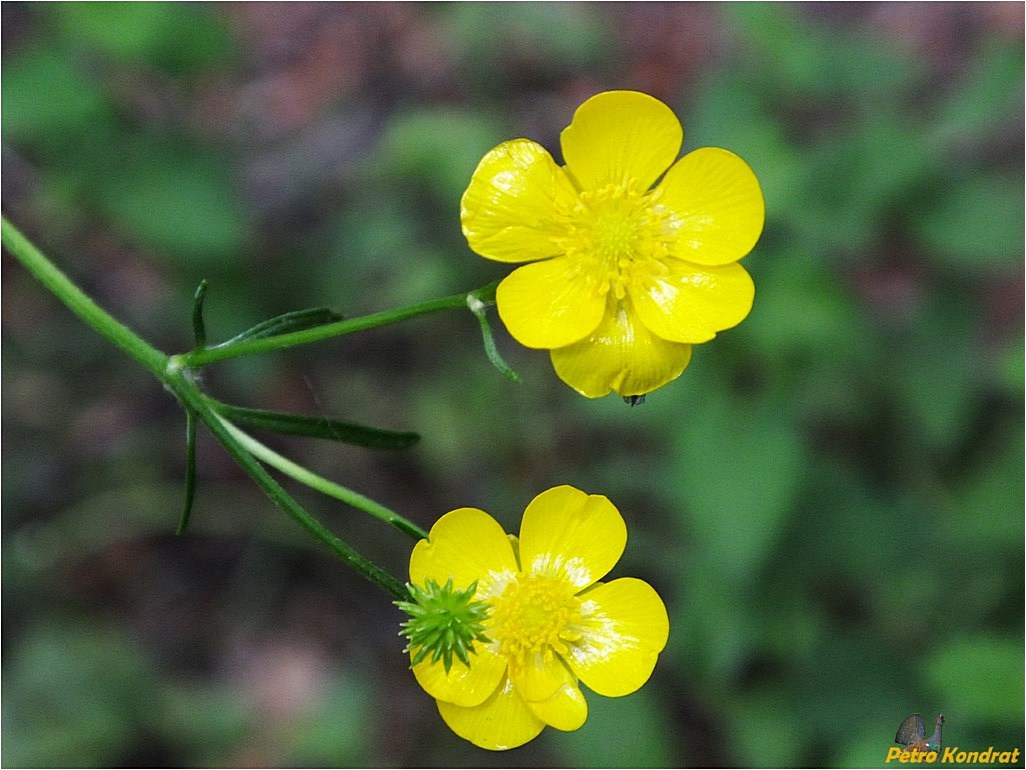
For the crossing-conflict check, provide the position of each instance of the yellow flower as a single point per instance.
(624, 274)
(550, 625)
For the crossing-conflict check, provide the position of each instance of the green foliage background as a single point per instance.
(829, 499)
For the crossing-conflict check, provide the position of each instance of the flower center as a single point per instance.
(535, 614)
(619, 235)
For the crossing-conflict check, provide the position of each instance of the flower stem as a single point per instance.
(198, 358)
(321, 484)
(80, 303)
(179, 379)
(195, 400)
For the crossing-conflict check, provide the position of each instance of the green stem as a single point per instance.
(321, 484)
(179, 380)
(80, 303)
(195, 400)
(198, 358)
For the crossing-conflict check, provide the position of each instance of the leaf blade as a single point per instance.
(318, 427)
(294, 321)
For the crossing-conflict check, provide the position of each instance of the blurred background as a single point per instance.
(830, 499)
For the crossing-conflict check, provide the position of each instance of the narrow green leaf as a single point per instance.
(295, 321)
(190, 468)
(318, 427)
(193, 399)
(478, 307)
(199, 327)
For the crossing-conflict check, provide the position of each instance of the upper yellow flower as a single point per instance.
(625, 275)
(550, 622)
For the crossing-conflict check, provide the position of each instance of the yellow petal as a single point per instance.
(549, 304)
(502, 722)
(571, 535)
(620, 135)
(539, 676)
(509, 211)
(566, 710)
(620, 355)
(716, 207)
(467, 545)
(462, 685)
(625, 629)
(690, 302)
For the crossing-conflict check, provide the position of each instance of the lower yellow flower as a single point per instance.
(633, 254)
(550, 623)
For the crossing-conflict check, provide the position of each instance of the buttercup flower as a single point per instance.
(624, 275)
(550, 623)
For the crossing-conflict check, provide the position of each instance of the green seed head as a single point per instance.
(443, 623)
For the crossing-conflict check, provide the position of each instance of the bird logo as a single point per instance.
(911, 733)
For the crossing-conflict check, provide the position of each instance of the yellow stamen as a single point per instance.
(618, 235)
(536, 614)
